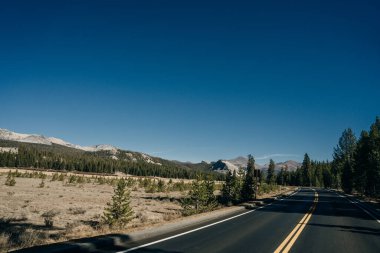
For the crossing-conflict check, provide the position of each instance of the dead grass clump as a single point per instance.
(31, 237)
(170, 216)
(23, 217)
(34, 210)
(143, 218)
(4, 242)
(70, 227)
(10, 194)
(42, 184)
(49, 217)
(76, 210)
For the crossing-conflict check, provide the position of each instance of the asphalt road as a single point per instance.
(330, 223)
(311, 220)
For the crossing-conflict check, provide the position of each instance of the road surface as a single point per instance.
(311, 220)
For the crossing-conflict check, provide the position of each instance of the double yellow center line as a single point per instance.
(287, 244)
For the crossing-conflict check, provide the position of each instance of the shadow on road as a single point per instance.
(112, 242)
(105, 243)
(351, 229)
(155, 250)
(328, 205)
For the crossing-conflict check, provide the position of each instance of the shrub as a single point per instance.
(17, 174)
(161, 186)
(146, 183)
(131, 182)
(101, 180)
(72, 179)
(81, 180)
(55, 177)
(267, 188)
(10, 180)
(42, 184)
(151, 188)
(42, 175)
(178, 186)
(61, 177)
(48, 222)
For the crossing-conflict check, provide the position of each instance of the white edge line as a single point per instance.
(370, 214)
(193, 230)
(184, 233)
(356, 204)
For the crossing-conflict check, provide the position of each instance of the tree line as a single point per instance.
(66, 159)
(355, 168)
(356, 164)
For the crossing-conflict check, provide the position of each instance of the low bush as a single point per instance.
(49, 217)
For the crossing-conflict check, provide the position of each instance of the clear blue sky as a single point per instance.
(192, 80)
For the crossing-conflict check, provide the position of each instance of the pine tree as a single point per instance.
(211, 202)
(343, 154)
(281, 177)
(248, 189)
(306, 171)
(231, 189)
(362, 163)
(227, 190)
(237, 182)
(367, 161)
(200, 198)
(327, 176)
(373, 179)
(270, 172)
(119, 212)
(347, 178)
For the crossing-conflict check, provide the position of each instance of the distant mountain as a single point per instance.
(103, 150)
(223, 166)
(40, 139)
(11, 141)
(292, 165)
(54, 144)
(239, 161)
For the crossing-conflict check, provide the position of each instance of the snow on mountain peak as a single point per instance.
(100, 147)
(40, 139)
(9, 135)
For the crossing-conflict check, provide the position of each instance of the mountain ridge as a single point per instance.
(6, 134)
(223, 166)
(110, 151)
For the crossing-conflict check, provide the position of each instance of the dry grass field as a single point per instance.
(47, 207)
(74, 208)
